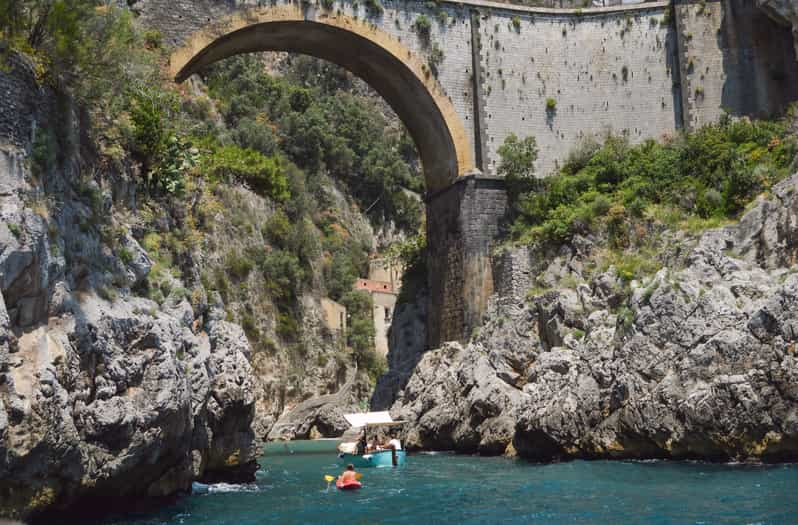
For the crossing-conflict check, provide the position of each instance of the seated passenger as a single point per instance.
(361, 444)
(374, 446)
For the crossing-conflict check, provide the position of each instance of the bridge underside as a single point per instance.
(403, 81)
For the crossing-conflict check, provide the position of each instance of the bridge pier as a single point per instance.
(462, 224)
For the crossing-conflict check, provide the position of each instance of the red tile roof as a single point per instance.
(374, 286)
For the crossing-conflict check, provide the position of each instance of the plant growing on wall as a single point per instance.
(422, 26)
(517, 23)
(551, 105)
(517, 165)
(374, 7)
(435, 59)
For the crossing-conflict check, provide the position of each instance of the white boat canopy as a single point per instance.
(370, 418)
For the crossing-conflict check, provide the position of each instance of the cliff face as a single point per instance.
(783, 11)
(698, 361)
(286, 373)
(104, 396)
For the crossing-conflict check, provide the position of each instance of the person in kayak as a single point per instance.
(349, 474)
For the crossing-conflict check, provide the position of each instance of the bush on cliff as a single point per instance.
(707, 175)
(264, 175)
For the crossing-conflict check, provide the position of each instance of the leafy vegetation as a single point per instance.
(423, 28)
(708, 175)
(322, 129)
(302, 141)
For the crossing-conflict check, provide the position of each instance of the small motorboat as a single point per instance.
(349, 484)
(354, 451)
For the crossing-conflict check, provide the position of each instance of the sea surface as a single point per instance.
(447, 488)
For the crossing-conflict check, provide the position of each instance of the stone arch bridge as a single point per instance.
(464, 75)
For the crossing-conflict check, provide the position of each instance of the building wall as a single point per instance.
(733, 59)
(334, 315)
(386, 271)
(384, 304)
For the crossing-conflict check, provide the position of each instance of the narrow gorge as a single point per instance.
(544, 232)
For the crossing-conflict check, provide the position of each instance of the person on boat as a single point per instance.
(394, 443)
(349, 474)
(361, 444)
(374, 446)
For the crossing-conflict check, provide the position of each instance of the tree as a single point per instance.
(517, 166)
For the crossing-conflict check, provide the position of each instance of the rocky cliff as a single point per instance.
(784, 12)
(698, 361)
(105, 396)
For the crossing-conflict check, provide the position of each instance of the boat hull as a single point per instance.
(383, 458)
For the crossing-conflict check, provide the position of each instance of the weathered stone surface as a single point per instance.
(321, 416)
(699, 362)
(109, 403)
(104, 397)
(783, 11)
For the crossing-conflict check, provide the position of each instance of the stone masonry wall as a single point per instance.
(617, 69)
(450, 31)
(462, 223)
(606, 71)
(733, 58)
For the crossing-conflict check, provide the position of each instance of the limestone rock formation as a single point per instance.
(783, 11)
(317, 417)
(699, 362)
(105, 396)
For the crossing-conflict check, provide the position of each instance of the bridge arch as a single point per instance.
(380, 59)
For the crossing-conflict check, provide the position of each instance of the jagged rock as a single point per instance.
(108, 403)
(323, 415)
(139, 262)
(700, 362)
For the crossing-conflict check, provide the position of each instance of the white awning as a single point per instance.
(368, 418)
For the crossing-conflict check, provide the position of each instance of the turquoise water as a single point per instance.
(454, 489)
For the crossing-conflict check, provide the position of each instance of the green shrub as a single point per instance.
(551, 105)
(435, 59)
(125, 255)
(517, 165)
(278, 229)
(423, 28)
(44, 152)
(262, 174)
(15, 229)
(283, 274)
(711, 173)
(374, 7)
(153, 39)
(238, 265)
